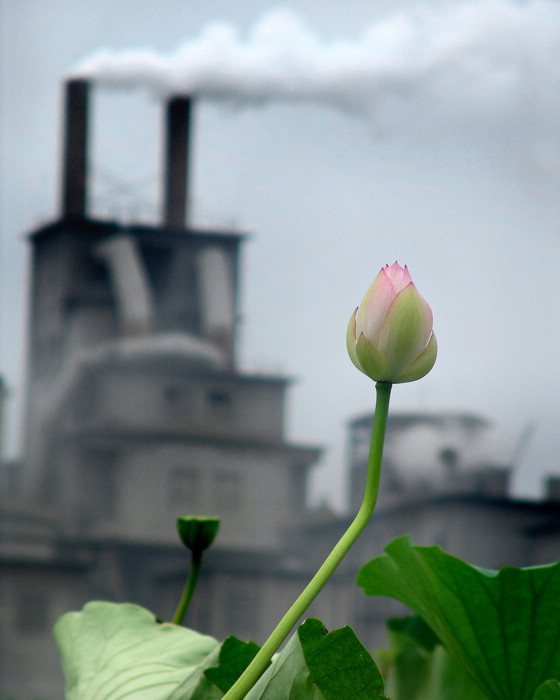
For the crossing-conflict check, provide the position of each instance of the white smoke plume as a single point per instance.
(490, 64)
(491, 49)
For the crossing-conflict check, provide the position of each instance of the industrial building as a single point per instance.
(137, 412)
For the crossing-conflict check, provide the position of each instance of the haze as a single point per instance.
(342, 137)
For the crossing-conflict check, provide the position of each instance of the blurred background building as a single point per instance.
(137, 413)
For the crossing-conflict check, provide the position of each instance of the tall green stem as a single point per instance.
(188, 590)
(255, 669)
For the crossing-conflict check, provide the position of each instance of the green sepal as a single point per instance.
(421, 365)
(372, 361)
(406, 330)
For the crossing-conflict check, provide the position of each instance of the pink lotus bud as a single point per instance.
(390, 335)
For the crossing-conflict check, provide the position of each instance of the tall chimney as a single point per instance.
(74, 183)
(177, 161)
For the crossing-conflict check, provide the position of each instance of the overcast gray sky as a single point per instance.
(342, 136)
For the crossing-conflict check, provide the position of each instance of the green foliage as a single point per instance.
(502, 627)
(550, 690)
(339, 665)
(286, 677)
(416, 629)
(111, 650)
(417, 667)
(234, 658)
(315, 665)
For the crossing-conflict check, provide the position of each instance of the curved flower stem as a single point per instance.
(188, 590)
(255, 669)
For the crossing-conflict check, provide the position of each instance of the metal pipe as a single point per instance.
(74, 177)
(133, 294)
(177, 161)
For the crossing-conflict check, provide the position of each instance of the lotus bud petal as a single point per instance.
(390, 336)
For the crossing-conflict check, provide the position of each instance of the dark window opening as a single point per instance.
(219, 397)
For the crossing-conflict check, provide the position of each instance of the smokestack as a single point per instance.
(74, 184)
(177, 161)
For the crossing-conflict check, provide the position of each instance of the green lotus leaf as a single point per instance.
(316, 665)
(417, 667)
(339, 664)
(111, 650)
(234, 658)
(549, 690)
(502, 626)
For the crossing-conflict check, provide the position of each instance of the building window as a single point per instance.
(184, 487)
(449, 457)
(31, 612)
(175, 401)
(227, 489)
(219, 397)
